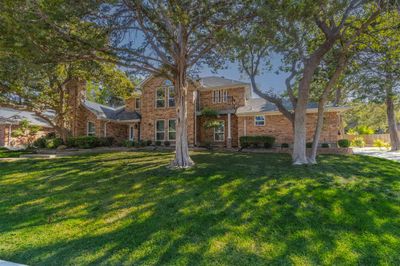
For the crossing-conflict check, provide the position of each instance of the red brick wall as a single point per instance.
(207, 135)
(150, 113)
(22, 141)
(238, 94)
(281, 128)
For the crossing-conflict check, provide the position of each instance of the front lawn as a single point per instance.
(231, 209)
(5, 153)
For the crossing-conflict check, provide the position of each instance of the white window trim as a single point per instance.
(168, 89)
(155, 130)
(255, 121)
(87, 128)
(223, 139)
(131, 136)
(222, 96)
(172, 131)
(155, 96)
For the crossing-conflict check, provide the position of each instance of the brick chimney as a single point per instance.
(76, 89)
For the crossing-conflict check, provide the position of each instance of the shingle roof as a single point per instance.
(107, 112)
(259, 105)
(10, 115)
(216, 82)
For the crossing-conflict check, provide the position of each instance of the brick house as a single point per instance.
(150, 115)
(10, 120)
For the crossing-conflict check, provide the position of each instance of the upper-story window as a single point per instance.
(137, 103)
(91, 129)
(220, 96)
(160, 97)
(171, 97)
(259, 120)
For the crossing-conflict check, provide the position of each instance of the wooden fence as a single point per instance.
(369, 139)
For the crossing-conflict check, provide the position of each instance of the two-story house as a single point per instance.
(150, 115)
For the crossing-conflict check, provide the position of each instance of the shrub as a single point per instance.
(325, 145)
(40, 143)
(53, 143)
(158, 143)
(208, 145)
(83, 142)
(149, 142)
(266, 141)
(129, 143)
(51, 135)
(106, 141)
(285, 145)
(343, 143)
(167, 143)
(309, 145)
(358, 142)
(140, 143)
(381, 144)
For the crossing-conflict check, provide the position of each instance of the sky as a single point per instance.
(267, 80)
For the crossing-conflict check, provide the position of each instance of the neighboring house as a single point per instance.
(150, 115)
(9, 121)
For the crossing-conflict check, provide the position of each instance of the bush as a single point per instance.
(129, 143)
(381, 144)
(309, 145)
(83, 142)
(358, 142)
(158, 143)
(343, 143)
(167, 143)
(106, 141)
(40, 143)
(149, 142)
(325, 145)
(285, 145)
(51, 135)
(53, 143)
(141, 143)
(266, 141)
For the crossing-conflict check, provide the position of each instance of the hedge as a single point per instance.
(87, 142)
(255, 141)
(343, 143)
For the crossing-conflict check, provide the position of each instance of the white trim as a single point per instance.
(131, 130)
(168, 130)
(229, 126)
(244, 127)
(255, 120)
(87, 128)
(223, 122)
(155, 130)
(309, 111)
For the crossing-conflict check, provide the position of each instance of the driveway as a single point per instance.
(376, 152)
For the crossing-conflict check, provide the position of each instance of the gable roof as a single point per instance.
(259, 105)
(109, 113)
(14, 116)
(220, 82)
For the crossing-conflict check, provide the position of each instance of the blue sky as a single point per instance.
(267, 80)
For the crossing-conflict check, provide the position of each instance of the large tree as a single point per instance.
(306, 33)
(168, 39)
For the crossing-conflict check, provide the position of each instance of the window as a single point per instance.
(219, 132)
(91, 129)
(172, 129)
(131, 133)
(160, 130)
(160, 97)
(171, 97)
(137, 103)
(259, 120)
(220, 96)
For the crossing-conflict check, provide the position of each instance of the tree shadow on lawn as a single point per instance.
(236, 209)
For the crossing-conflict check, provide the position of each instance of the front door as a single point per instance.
(131, 132)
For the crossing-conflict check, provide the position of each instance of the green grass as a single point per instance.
(231, 209)
(5, 153)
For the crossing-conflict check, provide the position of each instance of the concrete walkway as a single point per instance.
(376, 152)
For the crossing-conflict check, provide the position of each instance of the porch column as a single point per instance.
(229, 140)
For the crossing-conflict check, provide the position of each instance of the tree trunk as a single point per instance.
(394, 136)
(318, 129)
(182, 158)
